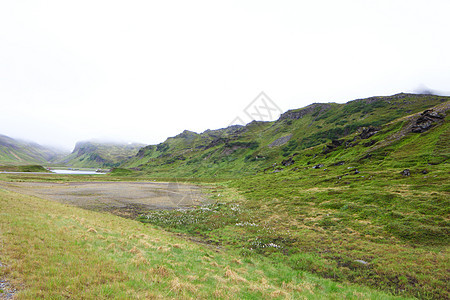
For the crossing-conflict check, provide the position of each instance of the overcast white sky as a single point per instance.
(145, 70)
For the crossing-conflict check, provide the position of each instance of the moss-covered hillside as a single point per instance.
(17, 152)
(92, 154)
(256, 147)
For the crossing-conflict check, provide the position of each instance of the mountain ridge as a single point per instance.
(100, 154)
(245, 150)
(16, 151)
(90, 154)
(234, 150)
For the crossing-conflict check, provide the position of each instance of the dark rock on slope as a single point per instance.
(426, 120)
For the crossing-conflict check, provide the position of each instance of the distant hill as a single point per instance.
(18, 152)
(258, 146)
(97, 154)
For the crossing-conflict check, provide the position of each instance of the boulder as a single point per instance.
(406, 172)
(426, 120)
(288, 162)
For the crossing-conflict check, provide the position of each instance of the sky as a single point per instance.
(141, 71)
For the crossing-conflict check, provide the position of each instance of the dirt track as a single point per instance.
(127, 199)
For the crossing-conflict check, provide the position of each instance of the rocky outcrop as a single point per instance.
(426, 120)
(367, 132)
(281, 141)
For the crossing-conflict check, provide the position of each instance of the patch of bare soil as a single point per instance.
(126, 199)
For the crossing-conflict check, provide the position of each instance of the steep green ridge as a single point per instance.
(92, 154)
(17, 152)
(246, 150)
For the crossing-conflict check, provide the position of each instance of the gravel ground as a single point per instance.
(127, 199)
(6, 290)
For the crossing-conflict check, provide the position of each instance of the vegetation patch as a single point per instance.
(52, 250)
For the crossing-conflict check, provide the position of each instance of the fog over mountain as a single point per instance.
(142, 71)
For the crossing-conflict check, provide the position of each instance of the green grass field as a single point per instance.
(54, 251)
(392, 235)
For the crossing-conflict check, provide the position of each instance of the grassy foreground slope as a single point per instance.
(371, 208)
(53, 251)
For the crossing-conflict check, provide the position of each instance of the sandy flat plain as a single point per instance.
(127, 199)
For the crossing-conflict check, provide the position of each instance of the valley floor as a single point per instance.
(128, 199)
(52, 250)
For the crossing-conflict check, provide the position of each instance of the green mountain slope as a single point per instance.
(355, 192)
(379, 195)
(91, 154)
(245, 150)
(17, 152)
